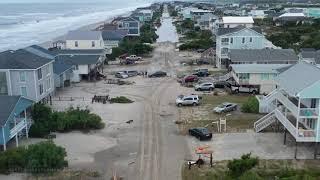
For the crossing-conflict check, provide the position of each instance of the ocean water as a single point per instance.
(24, 24)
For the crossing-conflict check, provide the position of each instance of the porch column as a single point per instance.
(296, 150)
(285, 136)
(298, 118)
(15, 124)
(4, 140)
(25, 118)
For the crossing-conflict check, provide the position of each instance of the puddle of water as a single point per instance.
(167, 31)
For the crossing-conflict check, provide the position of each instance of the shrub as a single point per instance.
(239, 166)
(37, 158)
(251, 106)
(250, 175)
(45, 157)
(121, 99)
(72, 119)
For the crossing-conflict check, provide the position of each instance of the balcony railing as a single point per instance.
(309, 112)
(22, 123)
(306, 135)
(224, 43)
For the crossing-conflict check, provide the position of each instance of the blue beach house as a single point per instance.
(14, 118)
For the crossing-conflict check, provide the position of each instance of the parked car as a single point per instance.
(132, 73)
(245, 89)
(158, 74)
(202, 61)
(201, 133)
(202, 73)
(225, 107)
(222, 84)
(187, 100)
(121, 75)
(134, 58)
(200, 50)
(190, 78)
(204, 87)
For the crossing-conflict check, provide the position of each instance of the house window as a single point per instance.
(244, 76)
(76, 44)
(48, 83)
(250, 39)
(243, 40)
(41, 89)
(23, 91)
(126, 25)
(93, 44)
(39, 74)
(313, 103)
(224, 40)
(22, 75)
(231, 40)
(264, 76)
(76, 67)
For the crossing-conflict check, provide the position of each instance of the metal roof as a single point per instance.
(258, 68)
(299, 77)
(262, 55)
(60, 66)
(237, 20)
(83, 35)
(22, 59)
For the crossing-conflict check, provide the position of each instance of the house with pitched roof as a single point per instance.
(112, 39)
(294, 104)
(260, 76)
(14, 118)
(240, 37)
(131, 24)
(310, 55)
(84, 40)
(27, 73)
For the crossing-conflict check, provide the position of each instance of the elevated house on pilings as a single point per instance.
(15, 118)
(294, 104)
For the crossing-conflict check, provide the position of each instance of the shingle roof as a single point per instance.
(78, 59)
(311, 55)
(78, 51)
(114, 34)
(298, 77)
(7, 105)
(40, 51)
(256, 55)
(223, 31)
(60, 66)
(83, 35)
(22, 59)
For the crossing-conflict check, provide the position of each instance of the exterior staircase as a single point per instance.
(264, 122)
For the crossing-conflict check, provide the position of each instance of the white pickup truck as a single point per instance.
(133, 58)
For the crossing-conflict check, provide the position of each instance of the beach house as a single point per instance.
(294, 104)
(83, 66)
(310, 55)
(84, 40)
(260, 76)
(27, 74)
(112, 39)
(131, 24)
(239, 37)
(15, 118)
(234, 21)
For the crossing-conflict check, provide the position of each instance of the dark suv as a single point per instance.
(201, 133)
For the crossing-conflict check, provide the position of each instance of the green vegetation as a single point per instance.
(237, 167)
(251, 106)
(172, 11)
(263, 170)
(201, 39)
(46, 121)
(121, 99)
(44, 157)
(295, 36)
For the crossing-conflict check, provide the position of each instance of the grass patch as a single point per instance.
(266, 170)
(121, 99)
(204, 115)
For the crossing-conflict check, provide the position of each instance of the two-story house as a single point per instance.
(84, 40)
(112, 38)
(206, 21)
(131, 24)
(234, 21)
(239, 37)
(26, 74)
(294, 104)
(147, 15)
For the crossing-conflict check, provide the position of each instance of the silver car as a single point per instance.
(225, 107)
(187, 100)
(204, 87)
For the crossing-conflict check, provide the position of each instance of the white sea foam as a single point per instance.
(36, 32)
